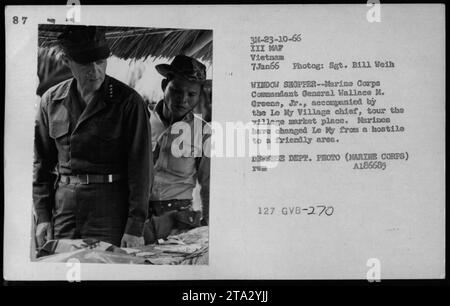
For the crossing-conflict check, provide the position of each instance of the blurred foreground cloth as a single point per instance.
(188, 248)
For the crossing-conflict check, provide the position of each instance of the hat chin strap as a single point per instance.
(171, 113)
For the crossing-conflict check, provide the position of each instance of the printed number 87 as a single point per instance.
(16, 19)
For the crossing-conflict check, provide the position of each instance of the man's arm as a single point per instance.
(140, 166)
(203, 171)
(45, 160)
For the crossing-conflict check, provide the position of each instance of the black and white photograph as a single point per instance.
(107, 185)
(232, 142)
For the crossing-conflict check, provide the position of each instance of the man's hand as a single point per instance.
(43, 233)
(130, 241)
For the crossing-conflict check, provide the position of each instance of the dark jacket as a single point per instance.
(112, 136)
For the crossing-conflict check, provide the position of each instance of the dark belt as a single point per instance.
(157, 208)
(85, 179)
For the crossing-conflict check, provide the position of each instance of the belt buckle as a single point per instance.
(81, 180)
(110, 178)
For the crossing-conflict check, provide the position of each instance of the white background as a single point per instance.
(396, 215)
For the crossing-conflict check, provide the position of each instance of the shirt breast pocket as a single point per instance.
(108, 141)
(108, 129)
(182, 166)
(58, 129)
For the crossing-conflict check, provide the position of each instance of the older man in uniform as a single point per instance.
(180, 141)
(92, 165)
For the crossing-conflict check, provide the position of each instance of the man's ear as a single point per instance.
(164, 84)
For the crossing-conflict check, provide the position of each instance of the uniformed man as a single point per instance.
(180, 141)
(92, 164)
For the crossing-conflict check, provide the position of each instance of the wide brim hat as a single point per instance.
(84, 44)
(184, 66)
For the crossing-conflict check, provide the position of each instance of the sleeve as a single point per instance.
(203, 171)
(139, 163)
(45, 160)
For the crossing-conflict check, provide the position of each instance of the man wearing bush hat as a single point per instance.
(92, 164)
(180, 142)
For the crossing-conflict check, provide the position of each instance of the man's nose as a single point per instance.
(95, 69)
(98, 69)
(185, 99)
(91, 69)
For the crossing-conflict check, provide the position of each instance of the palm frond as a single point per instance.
(141, 43)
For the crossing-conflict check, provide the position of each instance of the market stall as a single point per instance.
(186, 248)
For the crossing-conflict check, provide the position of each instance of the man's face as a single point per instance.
(89, 76)
(181, 96)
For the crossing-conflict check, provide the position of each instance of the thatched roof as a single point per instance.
(140, 43)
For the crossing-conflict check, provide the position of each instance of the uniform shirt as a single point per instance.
(110, 135)
(182, 150)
